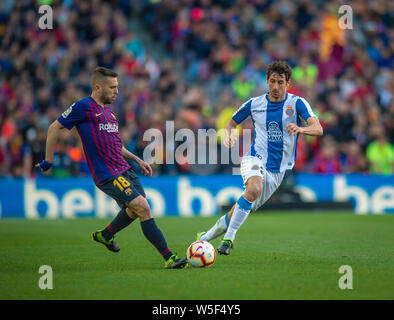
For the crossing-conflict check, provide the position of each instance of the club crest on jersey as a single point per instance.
(128, 191)
(274, 132)
(68, 111)
(256, 167)
(289, 111)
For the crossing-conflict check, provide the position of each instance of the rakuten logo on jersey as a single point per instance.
(109, 127)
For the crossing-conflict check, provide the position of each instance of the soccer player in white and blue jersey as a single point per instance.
(277, 118)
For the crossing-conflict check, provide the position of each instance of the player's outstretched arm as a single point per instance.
(230, 137)
(52, 138)
(146, 169)
(313, 128)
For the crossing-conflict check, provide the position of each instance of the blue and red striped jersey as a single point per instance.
(98, 128)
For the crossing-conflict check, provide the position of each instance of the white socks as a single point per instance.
(218, 229)
(241, 212)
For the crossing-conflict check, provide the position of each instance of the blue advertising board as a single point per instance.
(181, 195)
(368, 193)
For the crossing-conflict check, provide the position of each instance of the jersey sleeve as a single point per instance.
(243, 112)
(303, 109)
(73, 115)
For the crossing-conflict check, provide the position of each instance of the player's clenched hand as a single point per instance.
(293, 129)
(229, 140)
(39, 167)
(146, 169)
(43, 165)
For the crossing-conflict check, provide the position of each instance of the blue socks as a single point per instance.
(244, 203)
(121, 221)
(149, 229)
(154, 235)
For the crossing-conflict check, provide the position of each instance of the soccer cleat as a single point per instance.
(111, 244)
(174, 262)
(225, 247)
(199, 235)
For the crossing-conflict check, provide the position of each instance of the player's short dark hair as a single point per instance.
(279, 67)
(100, 73)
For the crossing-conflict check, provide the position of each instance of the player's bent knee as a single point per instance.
(131, 214)
(140, 207)
(254, 188)
(253, 193)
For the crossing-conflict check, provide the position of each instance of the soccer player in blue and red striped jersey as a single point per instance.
(106, 156)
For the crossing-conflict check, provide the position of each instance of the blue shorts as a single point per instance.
(123, 188)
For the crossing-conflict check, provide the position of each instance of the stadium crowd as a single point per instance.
(215, 58)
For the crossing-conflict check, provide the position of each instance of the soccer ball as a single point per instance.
(201, 254)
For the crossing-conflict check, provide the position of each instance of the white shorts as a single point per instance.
(253, 166)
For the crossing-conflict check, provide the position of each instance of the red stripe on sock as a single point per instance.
(109, 228)
(165, 252)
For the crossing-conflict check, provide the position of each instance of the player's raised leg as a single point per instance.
(254, 187)
(219, 228)
(140, 207)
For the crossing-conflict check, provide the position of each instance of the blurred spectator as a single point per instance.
(305, 73)
(380, 155)
(354, 159)
(242, 87)
(62, 162)
(327, 160)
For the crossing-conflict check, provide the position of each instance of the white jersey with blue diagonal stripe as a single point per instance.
(271, 142)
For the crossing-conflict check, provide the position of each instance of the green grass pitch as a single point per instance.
(283, 255)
